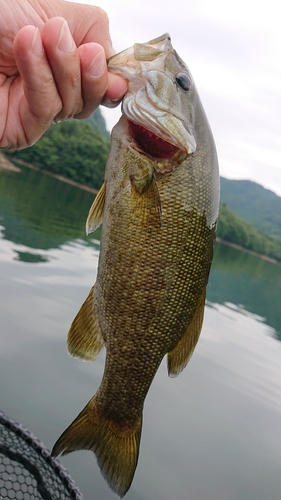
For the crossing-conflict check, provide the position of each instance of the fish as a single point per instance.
(158, 207)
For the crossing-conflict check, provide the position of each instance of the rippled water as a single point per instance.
(213, 433)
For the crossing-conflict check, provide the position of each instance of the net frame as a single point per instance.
(27, 470)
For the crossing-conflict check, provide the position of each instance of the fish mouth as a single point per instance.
(150, 143)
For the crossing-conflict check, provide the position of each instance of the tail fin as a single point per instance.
(116, 450)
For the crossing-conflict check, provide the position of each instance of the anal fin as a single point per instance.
(85, 339)
(181, 354)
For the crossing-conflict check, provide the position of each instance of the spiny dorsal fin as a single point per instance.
(85, 339)
(95, 216)
(181, 354)
(116, 450)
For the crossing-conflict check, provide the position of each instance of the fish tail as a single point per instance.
(116, 448)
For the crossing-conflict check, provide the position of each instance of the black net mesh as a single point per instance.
(27, 471)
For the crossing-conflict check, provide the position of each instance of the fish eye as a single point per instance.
(183, 81)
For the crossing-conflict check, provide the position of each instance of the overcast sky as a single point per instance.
(233, 50)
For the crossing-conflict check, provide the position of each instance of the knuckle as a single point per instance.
(101, 17)
(74, 82)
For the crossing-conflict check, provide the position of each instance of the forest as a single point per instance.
(253, 203)
(72, 149)
(233, 229)
(78, 150)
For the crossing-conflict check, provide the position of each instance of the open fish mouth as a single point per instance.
(150, 143)
(158, 103)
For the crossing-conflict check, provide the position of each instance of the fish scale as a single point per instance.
(158, 218)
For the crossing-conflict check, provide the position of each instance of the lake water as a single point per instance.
(213, 433)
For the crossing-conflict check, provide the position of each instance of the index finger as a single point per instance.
(94, 27)
(41, 100)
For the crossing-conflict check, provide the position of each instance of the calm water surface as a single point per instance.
(213, 433)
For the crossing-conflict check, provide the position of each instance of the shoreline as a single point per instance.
(55, 176)
(251, 252)
(12, 167)
(6, 164)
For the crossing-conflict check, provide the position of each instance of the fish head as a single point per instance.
(161, 98)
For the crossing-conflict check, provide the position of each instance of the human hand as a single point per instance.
(51, 68)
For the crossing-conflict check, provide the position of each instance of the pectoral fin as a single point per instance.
(181, 354)
(85, 339)
(95, 216)
(144, 186)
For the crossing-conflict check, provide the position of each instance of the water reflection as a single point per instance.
(39, 211)
(213, 433)
(30, 257)
(254, 283)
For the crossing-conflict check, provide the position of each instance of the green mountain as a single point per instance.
(253, 203)
(233, 229)
(98, 123)
(71, 149)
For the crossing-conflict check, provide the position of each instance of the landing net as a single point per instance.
(27, 471)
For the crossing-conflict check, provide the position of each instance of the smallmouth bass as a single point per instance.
(159, 208)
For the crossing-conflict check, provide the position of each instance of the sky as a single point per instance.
(233, 50)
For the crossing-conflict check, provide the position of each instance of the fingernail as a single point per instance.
(97, 66)
(65, 43)
(110, 104)
(36, 46)
(113, 103)
(120, 96)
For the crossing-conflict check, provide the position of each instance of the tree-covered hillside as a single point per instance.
(235, 230)
(97, 121)
(253, 203)
(71, 149)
